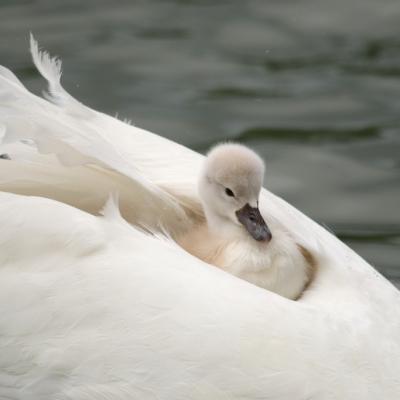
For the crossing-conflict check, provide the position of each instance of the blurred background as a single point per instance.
(312, 85)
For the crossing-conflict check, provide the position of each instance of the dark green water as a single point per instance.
(314, 86)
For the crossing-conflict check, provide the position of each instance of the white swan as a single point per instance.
(93, 308)
(235, 236)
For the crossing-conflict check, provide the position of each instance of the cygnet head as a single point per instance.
(229, 188)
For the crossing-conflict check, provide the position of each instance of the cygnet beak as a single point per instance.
(254, 223)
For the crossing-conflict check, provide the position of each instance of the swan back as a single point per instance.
(111, 311)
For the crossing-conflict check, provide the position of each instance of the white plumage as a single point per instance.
(92, 307)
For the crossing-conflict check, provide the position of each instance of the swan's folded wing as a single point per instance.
(79, 137)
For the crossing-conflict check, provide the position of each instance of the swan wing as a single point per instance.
(79, 146)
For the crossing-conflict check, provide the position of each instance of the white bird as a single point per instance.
(235, 236)
(92, 307)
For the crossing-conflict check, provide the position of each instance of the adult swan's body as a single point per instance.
(93, 308)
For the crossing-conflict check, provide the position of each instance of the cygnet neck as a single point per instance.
(221, 226)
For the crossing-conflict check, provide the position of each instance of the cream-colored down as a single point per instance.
(279, 265)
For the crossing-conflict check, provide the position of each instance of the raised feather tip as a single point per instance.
(49, 67)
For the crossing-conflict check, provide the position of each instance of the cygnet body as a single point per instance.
(235, 236)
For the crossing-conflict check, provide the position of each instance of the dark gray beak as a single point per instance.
(254, 223)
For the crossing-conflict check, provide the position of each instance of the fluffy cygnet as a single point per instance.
(235, 236)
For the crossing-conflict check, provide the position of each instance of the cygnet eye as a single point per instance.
(229, 192)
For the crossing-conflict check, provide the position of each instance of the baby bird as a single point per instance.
(235, 236)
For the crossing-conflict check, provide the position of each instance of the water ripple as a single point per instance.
(309, 134)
